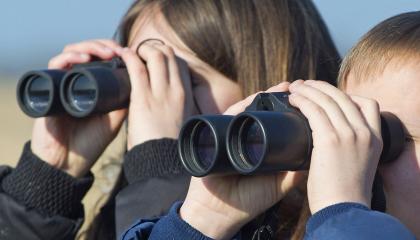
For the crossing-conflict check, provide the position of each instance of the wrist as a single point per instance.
(58, 158)
(211, 223)
(324, 201)
(53, 156)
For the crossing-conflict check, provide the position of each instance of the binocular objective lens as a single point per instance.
(37, 94)
(204, 145)
(251, 137)
(82, 93)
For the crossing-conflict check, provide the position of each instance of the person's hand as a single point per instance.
(161, 95)
(73, 145)
(347, 141)
(218, 206)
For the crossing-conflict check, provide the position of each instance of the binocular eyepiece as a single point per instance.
(269, 136)
(85, 89)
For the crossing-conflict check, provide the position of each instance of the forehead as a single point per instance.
(153, 25)
(397, 89)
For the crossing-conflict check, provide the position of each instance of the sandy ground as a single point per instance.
(15, 130)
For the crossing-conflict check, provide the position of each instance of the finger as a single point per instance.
(282, 87)
(110, 44)
(179, 75)
(327, 103)
(371, 113)
(116, 118)
(66, 60)
(179, 79)
(286, 181)
(139, 79)
(157, 66)
(174, 63)
(241, 105)
(94, 48)
(318, 120)
(347, 106)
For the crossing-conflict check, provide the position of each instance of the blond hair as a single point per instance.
(396, 38)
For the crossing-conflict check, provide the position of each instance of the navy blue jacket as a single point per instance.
(340, 221)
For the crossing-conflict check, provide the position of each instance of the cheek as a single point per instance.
(404, 173)
(216, 100)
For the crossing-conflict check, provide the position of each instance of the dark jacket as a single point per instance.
(156, 179)
(38, 201)
(341, 221)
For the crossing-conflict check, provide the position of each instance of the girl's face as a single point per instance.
(213, 92)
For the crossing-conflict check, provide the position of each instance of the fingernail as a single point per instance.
(84, 56)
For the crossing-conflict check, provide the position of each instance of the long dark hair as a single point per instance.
(257, 43)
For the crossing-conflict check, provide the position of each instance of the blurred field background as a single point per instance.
(15, 127)
(34, 31)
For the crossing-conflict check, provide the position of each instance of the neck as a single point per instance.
(402, 189)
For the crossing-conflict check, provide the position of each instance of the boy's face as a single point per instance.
(397, 90)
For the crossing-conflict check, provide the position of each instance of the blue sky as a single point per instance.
(34, 31)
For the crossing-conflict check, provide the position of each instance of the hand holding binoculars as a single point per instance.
(269, 136)
(85, 89)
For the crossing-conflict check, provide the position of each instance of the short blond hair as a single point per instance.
(397, 38)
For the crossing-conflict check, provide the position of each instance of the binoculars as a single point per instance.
(89, 88)
(269, 136)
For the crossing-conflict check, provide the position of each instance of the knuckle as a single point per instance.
(320, 83)
(329, 100)
(364, 135)
(331, 138)
(68, 47)
(372, 104)
(158, 56)
(348, 134)
(368, 103)
(318, 111)
(168, 51)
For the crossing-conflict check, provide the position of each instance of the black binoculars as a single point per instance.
(269, 136)
(85, 89)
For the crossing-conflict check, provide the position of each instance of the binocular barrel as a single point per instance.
(267, 141)
(38, 93)
(86, 89)
(270, 136)
(97, 89)
(202, 142)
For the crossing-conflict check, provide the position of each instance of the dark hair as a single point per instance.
(257, 43)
